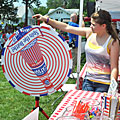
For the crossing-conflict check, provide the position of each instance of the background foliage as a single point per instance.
(8, 11)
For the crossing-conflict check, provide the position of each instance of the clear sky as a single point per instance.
(43, 3)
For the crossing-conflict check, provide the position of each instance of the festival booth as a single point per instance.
(37, 61)
(72, 107)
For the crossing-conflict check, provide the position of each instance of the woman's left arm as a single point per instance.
(114, 58)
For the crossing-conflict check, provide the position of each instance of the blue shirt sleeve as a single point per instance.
(71, 36)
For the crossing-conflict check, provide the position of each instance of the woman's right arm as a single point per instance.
(83, 31)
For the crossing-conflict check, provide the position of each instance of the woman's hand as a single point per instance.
(40, 17)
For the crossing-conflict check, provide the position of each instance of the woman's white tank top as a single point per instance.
(98, 61)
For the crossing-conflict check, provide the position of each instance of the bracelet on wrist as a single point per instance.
(47, 20)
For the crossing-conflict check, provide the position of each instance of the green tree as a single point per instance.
(29, 3)
(68, 4)
(63, 3)
(42, 10)
(7, 10)
(52, 4)
(73, 5)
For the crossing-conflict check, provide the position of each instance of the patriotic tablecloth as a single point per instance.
(70, 99)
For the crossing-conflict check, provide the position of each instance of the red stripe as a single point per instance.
(3, 69)
(105, 111)
(83, 70)
(86, 19)
(79, 95)
(98, 96)
(92, 94)
(11, 36)
(59, 87)
(38, 22)
(70, 54)
(87, 92)
(25, 93)
(43, 27)
(115, 20)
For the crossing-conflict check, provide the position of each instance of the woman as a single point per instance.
(102, 49)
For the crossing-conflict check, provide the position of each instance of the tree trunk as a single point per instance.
(26, 14)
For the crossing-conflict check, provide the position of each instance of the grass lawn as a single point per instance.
(15, 105)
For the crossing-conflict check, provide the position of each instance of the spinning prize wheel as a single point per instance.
(36, 60)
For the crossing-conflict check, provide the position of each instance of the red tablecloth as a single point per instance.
(70, 98)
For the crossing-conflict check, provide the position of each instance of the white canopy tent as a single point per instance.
(109, 5)
(113, 6)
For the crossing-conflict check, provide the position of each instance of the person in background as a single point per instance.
(4, 39)
(18, 27)
(102, 49)
(8, 34)
(73, 39)
(6, 28)
(0, 43)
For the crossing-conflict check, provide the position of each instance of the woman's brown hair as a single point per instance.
(104, 17)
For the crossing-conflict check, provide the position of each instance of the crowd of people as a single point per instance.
(6, 33)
